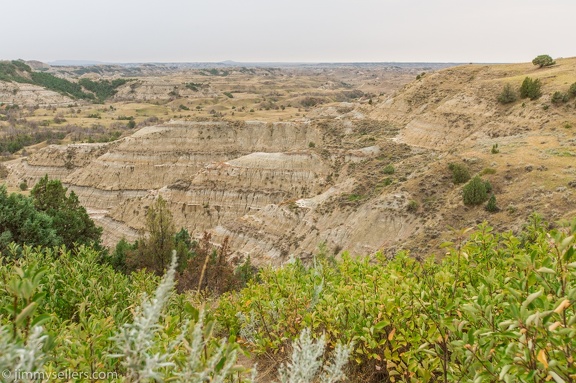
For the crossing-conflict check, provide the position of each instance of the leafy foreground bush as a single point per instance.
(500, 308)
(88, 325)
(62, 312)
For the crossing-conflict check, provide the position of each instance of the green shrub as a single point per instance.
(531, 88)
(228, 94)
(474, 192)
(543, 60)
(21, 223)
(572, 90)
(23, 186)
(496, 306)
(70, 220)
(491, 205)
(488, 171)
(128, 327)
(460, 173)
(488, 187)
(508, 95)
(412, 206)
(495, 149)
(60, 85)
(388, 169)
(559, 97)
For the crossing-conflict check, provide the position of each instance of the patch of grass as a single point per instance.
(388, 169)
(560, 153)
(488, 171)
(354, 197)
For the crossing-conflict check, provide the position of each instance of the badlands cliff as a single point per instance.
(346, 181)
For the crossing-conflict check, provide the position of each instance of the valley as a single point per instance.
(284, 160)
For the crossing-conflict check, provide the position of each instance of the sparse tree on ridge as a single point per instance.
(543, 60)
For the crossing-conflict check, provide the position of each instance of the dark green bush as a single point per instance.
(488, 187)
(491, 205)
(543, 60)
(388, 169)
(531, 89)
(69, 219)
(475, 192)
(559, 97)
(22, 223)
(572, 90)
(460, 173)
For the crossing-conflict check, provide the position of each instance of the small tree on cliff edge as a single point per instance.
(154, 251)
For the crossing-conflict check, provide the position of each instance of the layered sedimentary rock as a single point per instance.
(31, 95)
(262, 184)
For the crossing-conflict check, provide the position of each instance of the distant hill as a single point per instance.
(76, 63)
(20, 72)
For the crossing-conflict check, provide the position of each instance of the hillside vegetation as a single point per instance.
(85, 89)
(498, 307)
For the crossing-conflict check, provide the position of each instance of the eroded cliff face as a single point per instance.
(31, 95)
(259, 183)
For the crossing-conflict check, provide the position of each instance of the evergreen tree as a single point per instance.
(21, 223)
(531, 89)
(69, 219)
(154, 249)
(474, 192)
(543, 60)
(491, 205)
(572, 90)
(460, 173)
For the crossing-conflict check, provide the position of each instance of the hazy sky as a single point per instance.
(296, 30)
